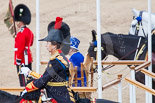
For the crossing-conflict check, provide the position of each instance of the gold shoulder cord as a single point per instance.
(62, 60)
(35, 75)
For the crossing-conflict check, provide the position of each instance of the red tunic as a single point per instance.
(23, 41)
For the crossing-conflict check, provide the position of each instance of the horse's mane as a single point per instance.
(151, 13)
(110, 33)
(123, 35)
(7, 97)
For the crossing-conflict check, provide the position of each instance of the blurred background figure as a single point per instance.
(76, 58)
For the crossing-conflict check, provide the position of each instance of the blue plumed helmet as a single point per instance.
(74, 43)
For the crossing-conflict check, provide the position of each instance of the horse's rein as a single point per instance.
(18, 100)
(110, 66)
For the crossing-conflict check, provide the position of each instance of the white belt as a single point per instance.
(26, 47)
(16, 49)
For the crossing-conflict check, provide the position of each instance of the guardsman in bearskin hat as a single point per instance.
(23, 40)
(76, 58)
(55, 77)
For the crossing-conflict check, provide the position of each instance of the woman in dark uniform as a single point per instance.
(55, 77)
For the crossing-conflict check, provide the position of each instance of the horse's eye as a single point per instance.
(95, 49)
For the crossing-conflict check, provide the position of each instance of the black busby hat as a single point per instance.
(60, 32)
(22, 13)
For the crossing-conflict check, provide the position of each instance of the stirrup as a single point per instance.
(44, 99)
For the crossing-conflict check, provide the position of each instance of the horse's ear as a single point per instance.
(135, 12)
(94, 35)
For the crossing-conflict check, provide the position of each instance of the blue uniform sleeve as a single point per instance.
(40, 83)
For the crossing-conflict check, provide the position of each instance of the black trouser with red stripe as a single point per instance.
(21, 76)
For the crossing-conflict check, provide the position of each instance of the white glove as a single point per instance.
(25, 91)
(25, 70)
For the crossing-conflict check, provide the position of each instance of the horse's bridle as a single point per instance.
(139, 19)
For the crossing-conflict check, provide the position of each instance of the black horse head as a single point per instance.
(92, 51)
(118, 45)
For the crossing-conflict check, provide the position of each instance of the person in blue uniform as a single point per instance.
(55, 77)
(76, 58)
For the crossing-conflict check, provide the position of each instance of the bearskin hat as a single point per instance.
(22, 13)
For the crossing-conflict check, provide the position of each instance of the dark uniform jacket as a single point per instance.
(54, 80)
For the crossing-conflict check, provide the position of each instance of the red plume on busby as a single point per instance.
(22, 13)
(58, 23)
(60, 32)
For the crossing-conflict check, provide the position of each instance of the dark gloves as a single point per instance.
(18, 61)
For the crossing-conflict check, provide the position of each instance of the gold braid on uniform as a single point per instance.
(30, 87)
(71, 94)
(59, 57)
(54, 55)
(62, 60)
(35, 75)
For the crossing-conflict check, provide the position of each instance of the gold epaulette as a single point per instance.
(54, 55)
(35, 75)
(62, 60)
(59, 57)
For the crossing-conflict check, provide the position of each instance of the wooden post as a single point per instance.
(144, 65)
(119, 76)
(82, 75)
(151, 74)
(140, 85)
(92, 72)
(75, 78)
(72, 73)
(120, 89)
(122, 62)
(87, 63)
(111, 83)
(76, 89)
